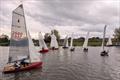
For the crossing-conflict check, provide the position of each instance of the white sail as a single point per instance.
(71, 42)
(109, 42)
(42, 42)
(54, 42)
(86, 41)
(103, 42)
(66, 42)
(34, 55)
(19, 40)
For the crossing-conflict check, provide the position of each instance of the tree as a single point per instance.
(56, 34)
(47, 37)
(4, 40)
(117, 34)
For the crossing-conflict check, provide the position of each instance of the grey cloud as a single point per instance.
(93, 13)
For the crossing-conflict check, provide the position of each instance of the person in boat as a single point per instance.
(42, 48)
(16, 65)
(53, 48)
(24, 62)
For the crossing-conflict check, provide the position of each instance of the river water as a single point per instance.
(65, 65)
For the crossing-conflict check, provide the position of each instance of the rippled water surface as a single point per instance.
(66, 65)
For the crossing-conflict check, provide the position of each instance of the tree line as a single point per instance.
(94, 41)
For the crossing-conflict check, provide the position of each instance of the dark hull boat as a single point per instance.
(64, 47)
(85, 49)
(104, 53)
(53, 43)
(65, 44)
(54, 48)
(85, 45)
(72, 49)
(12, 69)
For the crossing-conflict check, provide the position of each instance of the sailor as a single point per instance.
(42, 48)
(53, 48)
(16, 65)
(24, 62)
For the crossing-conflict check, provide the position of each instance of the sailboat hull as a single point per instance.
(64, 47)
(72, 49)
(85, 49)
(44, 51)
(104, 53)
(11, 69)
(54, 48)
(109, 45)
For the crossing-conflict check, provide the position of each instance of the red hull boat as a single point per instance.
(44, 51)
(11, 69)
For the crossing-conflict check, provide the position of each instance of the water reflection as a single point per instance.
(78, 65)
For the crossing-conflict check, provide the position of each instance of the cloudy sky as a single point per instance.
(67, 16)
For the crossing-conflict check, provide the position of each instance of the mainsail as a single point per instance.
(103, 42)
(19, 41)
(66, 42)
(71, 42)
(42, 42)
(86, 41)
(54, 42)
(109, 42)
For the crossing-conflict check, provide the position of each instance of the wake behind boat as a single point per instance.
(22, 53)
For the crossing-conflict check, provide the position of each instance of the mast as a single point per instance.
(103, 42)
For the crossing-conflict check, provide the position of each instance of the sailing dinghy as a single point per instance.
(43, 46)
(109, 43)
(65, 44)
(22, 53)
(85, 45)
(71, 44)
(53, 43)
(104, 52)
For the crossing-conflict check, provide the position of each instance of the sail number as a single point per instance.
(17, 35)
